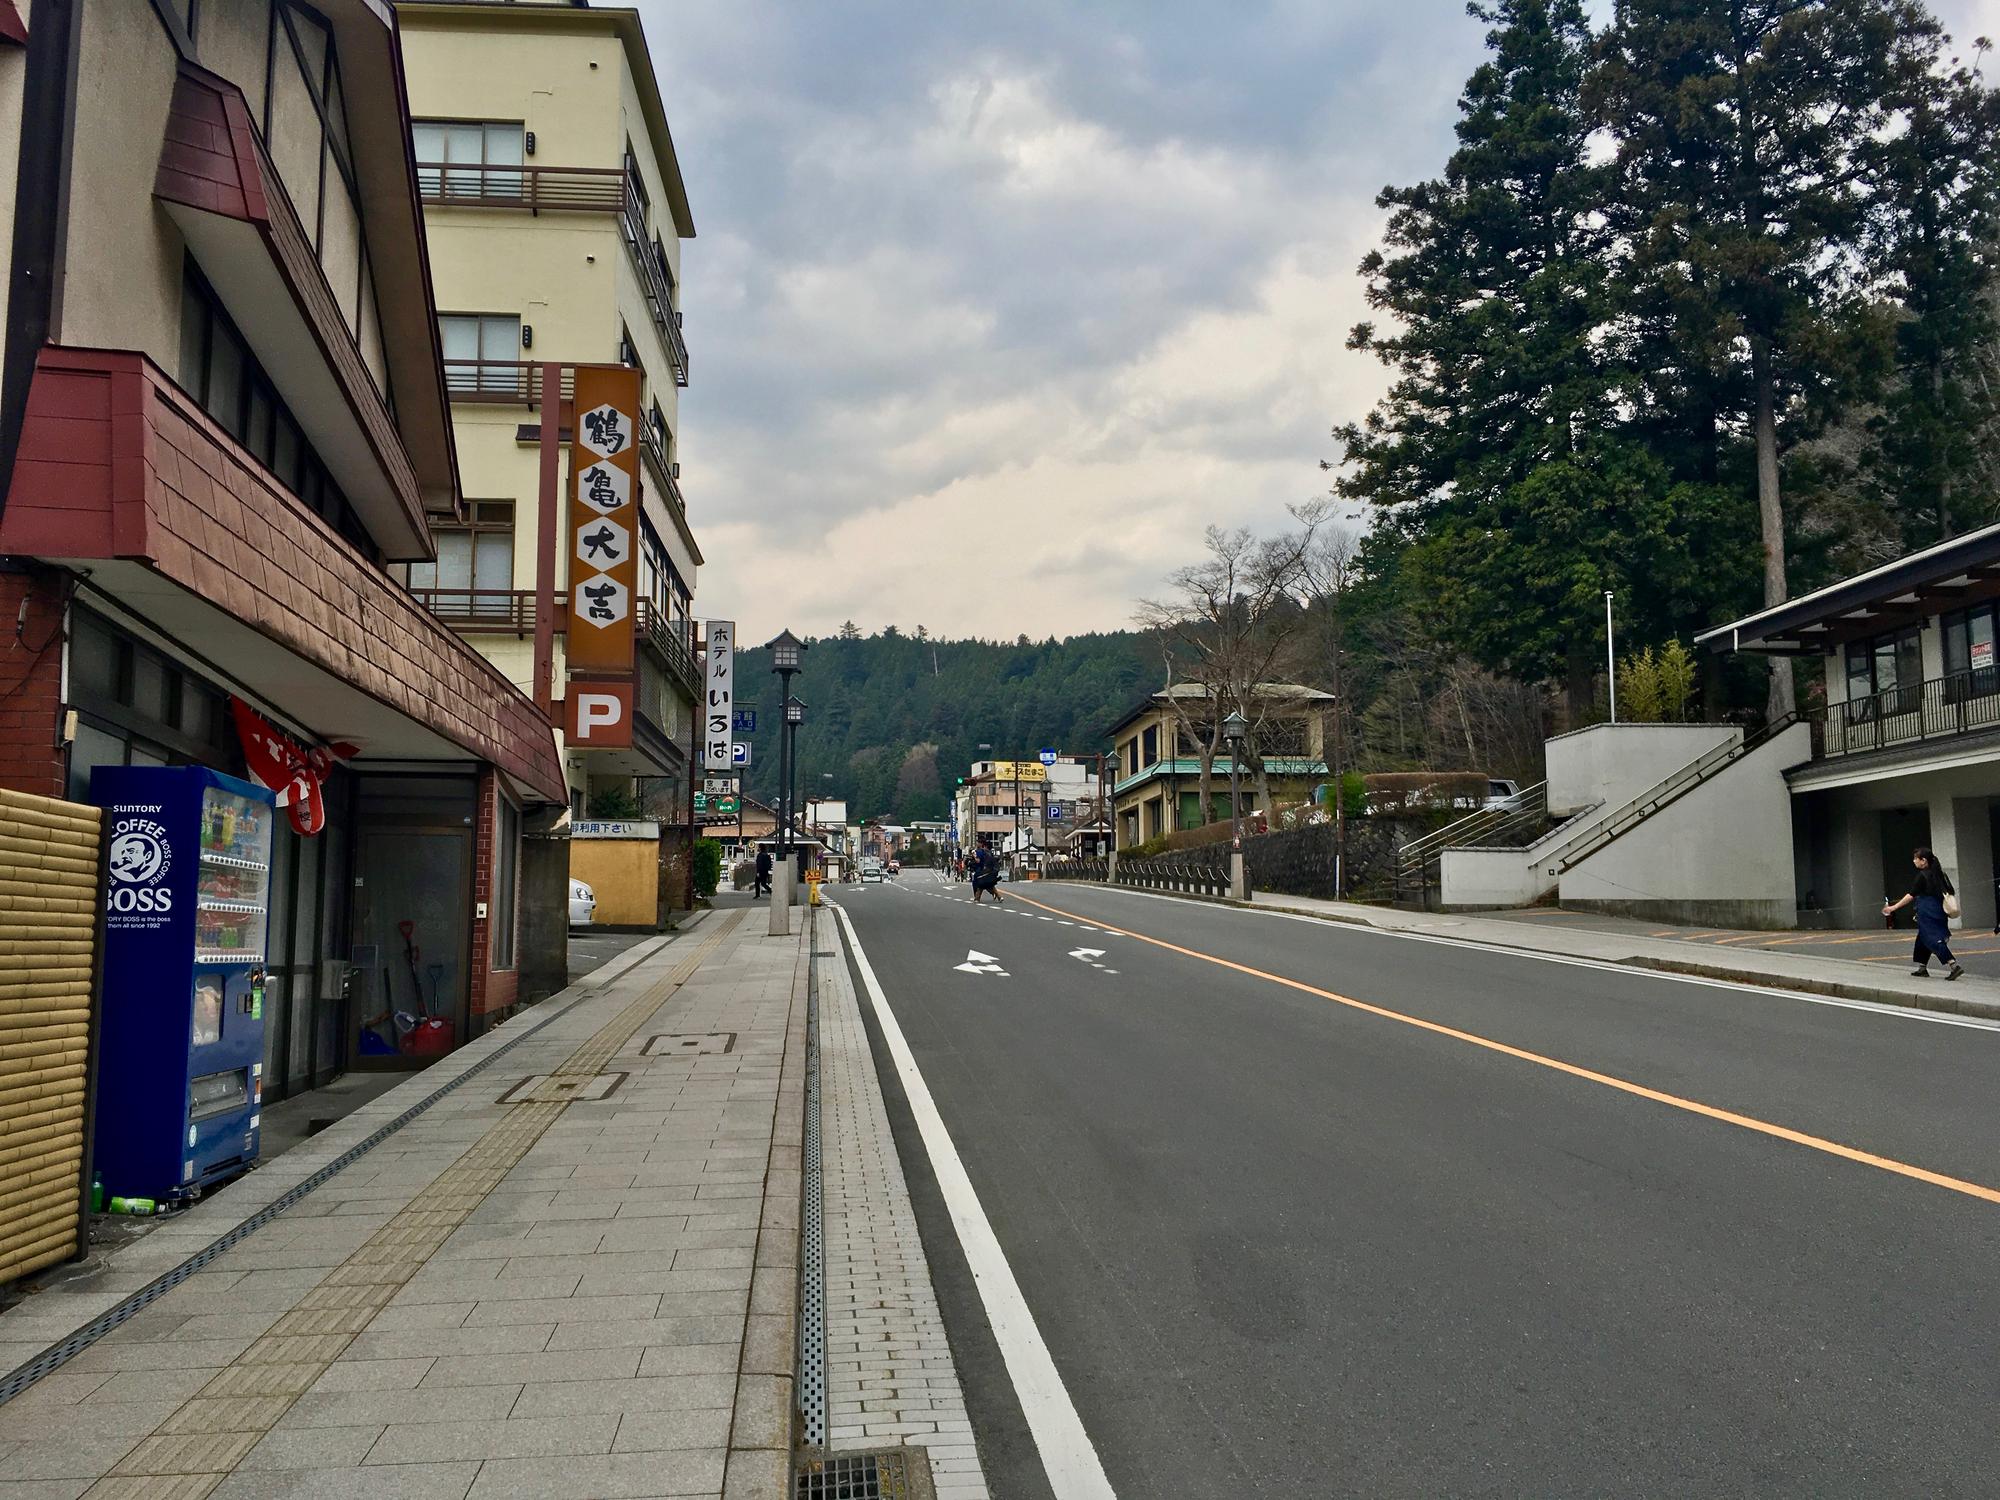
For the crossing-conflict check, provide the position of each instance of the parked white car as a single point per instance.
(1502, 794)
(582, 904)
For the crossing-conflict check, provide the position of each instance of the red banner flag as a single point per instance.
(279, 762)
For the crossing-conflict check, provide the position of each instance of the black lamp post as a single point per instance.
(795, 715)
(787, 659)
(1232, 731)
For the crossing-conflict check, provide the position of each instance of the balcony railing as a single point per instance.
(654, 280)
(655, 448)
(1960, 703)
(533, 189)
(501, 382)
(500, 611)
(671, 641)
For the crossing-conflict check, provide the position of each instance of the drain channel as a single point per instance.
(811, 1382)
(61, 1353)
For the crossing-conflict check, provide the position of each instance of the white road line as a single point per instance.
(1872, 1007)
(1068, 1456)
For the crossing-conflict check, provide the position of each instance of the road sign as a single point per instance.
(1055, 812)
(718, 786)
(719, 673)
(745, 721)
(1048, 757)
(739, 754)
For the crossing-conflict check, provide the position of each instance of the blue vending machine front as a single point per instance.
(181, 1072)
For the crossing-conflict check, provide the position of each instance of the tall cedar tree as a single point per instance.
(1489, 438)
(1933, 234)
(1743, 133)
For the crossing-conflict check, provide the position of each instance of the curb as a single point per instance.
(1836, 988)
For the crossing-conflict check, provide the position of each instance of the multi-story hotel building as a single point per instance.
(555, 212)
(224, 433)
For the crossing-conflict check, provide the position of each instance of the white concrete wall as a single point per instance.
(1490, 878)
(1610, 764)
(1720, 854)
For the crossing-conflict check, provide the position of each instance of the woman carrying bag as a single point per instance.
(1936, 903)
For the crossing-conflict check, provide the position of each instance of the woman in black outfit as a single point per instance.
(1929, 885)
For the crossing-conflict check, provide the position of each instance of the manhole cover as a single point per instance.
(563, 1088)
(706, 1042)
(890, 1474)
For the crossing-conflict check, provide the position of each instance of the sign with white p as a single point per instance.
(598, 715)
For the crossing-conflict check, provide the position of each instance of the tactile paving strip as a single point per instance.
(211, 1432)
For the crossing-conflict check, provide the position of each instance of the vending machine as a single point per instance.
(180, 1077)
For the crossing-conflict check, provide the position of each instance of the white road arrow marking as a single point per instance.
(1086, 954)
(980, 963)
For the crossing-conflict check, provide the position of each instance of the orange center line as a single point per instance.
(1589, 1075)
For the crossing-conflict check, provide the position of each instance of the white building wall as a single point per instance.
(1721, 854)
(1610, 764)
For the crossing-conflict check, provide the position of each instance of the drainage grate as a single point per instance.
(892, 1474)
(811, 1382)
(59, 1354)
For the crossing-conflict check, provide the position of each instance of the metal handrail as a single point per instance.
(536, 189)
(653, 282)
(655, 448)
(1530, 802)
(673, 645)
(501, 381)
(1937, 708)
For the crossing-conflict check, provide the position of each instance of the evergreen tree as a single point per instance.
(1743, 132)
(1933, 235)
(1496, 276)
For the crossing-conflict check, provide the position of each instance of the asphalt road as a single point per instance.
(1281, 1245)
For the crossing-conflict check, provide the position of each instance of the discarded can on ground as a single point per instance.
(139, 1206)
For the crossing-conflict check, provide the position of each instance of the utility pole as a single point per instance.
(1610, 659)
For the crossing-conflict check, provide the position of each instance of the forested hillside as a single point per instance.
(893, 720)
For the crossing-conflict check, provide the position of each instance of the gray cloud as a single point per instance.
(995, 308)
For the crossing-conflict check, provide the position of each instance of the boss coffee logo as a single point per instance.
(140, 860)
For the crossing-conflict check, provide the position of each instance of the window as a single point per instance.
(1969, 656)
(477, 557)
(506, 855)
(1150, 754)
(481, 353)
(1885, 675)
(218, 369)
(469, 158)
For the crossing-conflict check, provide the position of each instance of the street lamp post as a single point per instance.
(795, 715)
(1232, 730)
(787, 660)
(787, 653)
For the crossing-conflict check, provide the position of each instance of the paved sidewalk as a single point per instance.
(572, 1276)
(1638, 946)
(890, 1376)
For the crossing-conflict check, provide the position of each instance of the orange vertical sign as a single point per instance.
(604, 519)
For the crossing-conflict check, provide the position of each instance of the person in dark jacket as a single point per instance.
(763, 887)
(985, 875)
(1929, 885)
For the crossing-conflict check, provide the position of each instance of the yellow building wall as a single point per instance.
(624, 874)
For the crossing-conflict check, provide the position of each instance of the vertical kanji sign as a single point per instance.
(719, 695)
(604, 519)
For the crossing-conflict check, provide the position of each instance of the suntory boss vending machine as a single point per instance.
(180, 1076)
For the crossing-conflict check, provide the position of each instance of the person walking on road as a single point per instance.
(1936, 903)
(763, 886)
(985, 876)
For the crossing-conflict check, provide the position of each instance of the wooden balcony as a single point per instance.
(489, 611)
(673, 644)
(528, 189)
(501, 382)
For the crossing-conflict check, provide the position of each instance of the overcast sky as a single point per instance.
(994, 308)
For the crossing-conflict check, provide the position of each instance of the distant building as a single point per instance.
(1157, 786)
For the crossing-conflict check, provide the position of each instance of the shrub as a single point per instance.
(1414, 791)
(707, 866)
